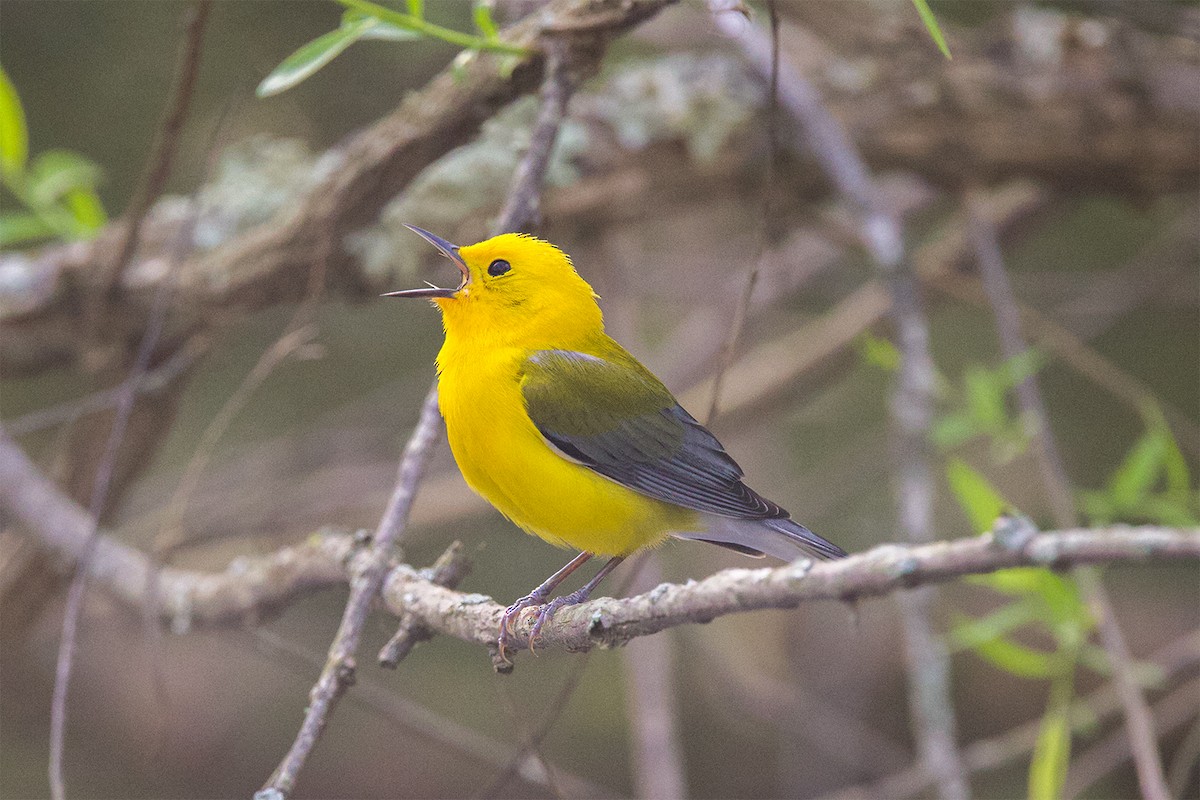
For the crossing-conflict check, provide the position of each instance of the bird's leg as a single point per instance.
(572, 599)
(537, 597)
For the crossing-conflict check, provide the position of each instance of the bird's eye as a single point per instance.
(498, 267)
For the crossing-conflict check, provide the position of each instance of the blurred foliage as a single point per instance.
(366, 20)
(931, 25)
(982, 406)
(1152, 483)
(57, 188)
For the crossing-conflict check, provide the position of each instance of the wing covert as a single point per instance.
(613, 416)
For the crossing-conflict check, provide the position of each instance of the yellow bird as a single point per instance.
(568, 435)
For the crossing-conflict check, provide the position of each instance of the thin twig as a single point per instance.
(171, 534)
(999, 290)
(770, 228)
(1138, 719)
(522, 206)
(100, 489)
(1170, 712)
(338, 673)
(155, 380)
(912, 400)
(414, 718)
(160, 162)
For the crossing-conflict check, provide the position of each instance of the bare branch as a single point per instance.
(880, 571)
(159, 164)
(338, 673)
(254, 587)
(449, 570)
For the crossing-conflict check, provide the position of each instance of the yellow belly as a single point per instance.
(503, 457)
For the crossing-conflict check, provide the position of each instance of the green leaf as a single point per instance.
(1138, 472)
(931, 25)
(1019, 660)
(416, 8)
(421, 26)
(981, 502)
(301, 64)
(1020, 367)
(953, 429)
(14, 136)
(380, 30)
(1052, 752)
(85, 206)
(967, 633)
(55, 173)
(21, 227)
(1175, 466)
(484, 21)
(986, 398)
(879, 352)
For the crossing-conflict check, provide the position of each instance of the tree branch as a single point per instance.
(338, 673)
(251, 588)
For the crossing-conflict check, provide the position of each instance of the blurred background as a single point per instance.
(1073, 125)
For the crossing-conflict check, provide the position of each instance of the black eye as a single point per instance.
(498, 267)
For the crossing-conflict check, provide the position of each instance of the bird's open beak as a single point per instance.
(450, 251)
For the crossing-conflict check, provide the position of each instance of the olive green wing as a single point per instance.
(614, 417)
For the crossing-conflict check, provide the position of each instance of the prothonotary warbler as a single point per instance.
(568, 435)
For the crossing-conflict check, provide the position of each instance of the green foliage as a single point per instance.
(14, 136)
(975, 494)
(320, 51)
(366, 20)
(57, 189)
(1152, 483)
(1052, 751)
(931, 25)
(980, 407)
(879, 352)
(1051, 604)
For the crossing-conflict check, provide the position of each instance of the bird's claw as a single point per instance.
(511, 613)
(545, 614)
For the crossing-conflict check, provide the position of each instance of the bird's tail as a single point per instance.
(781, 537)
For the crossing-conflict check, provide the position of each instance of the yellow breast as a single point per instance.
(504, 458)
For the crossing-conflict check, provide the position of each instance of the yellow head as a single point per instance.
(514, 289)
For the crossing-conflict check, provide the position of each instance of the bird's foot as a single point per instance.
(548, 610)
(534, 598)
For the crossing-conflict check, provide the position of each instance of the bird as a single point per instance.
(568, 435)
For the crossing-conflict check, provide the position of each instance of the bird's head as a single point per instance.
(514, 286)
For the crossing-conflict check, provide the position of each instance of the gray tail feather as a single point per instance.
(781, 537)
